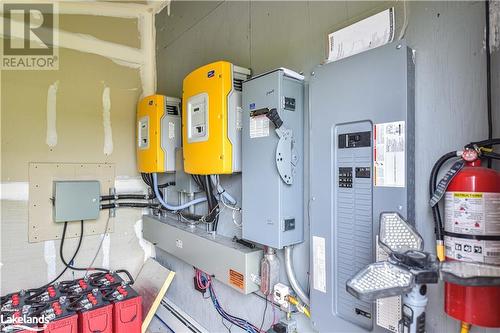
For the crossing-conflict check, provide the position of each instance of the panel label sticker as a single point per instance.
(319, 264)
(236, 279)
(389, 164)
(259, 126)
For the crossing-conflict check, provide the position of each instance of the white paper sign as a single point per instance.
(372, 32)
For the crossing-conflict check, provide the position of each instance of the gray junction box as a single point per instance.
(273, 159)
(76, 200)
(362, 164)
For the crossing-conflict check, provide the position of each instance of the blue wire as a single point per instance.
(230, 318)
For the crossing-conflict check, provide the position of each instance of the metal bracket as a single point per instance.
(286, 155)
(112, 211)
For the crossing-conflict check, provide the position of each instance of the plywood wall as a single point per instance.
(81, 78)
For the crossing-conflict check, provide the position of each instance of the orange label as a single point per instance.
(236, 279)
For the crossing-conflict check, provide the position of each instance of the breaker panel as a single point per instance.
(211, 119)
(362, 164)
(158, 133)
(273, 159)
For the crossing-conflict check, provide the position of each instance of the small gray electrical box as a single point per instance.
(273, 159)
(76, 200)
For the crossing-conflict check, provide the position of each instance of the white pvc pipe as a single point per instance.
(168, 206)
(291, 275)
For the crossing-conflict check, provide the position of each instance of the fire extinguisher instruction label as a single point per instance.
(389, 160)
(472, 213)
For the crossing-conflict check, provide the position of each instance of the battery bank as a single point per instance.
(74, 287)
(94, 313)
(96, 320)
(45, 294)
(62, 320)
(127, 309)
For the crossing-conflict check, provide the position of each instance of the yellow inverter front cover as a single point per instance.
(211, 128)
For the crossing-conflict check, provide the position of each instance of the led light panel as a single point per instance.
(397, 235)
(379, 280)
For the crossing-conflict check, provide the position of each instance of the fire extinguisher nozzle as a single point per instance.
(465, 327)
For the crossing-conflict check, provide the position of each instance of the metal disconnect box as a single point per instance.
(76, 200)
(272, 199)
(362, 163)
(229, 262)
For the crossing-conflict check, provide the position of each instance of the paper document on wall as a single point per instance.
(372, 32)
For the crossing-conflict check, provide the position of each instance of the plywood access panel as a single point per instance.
(41, 176)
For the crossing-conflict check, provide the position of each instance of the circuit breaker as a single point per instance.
(211, 119)
(361, 164)
(273, 158)
(158, 133)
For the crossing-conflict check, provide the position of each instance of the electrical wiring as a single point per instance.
(263, 316)
(147, 178)
(100, 244)
(172, 207)
(223, 195)
(126, 196)
(274, 312)
(204, 281)
(71, 260)
(61, 254)
(129, 205)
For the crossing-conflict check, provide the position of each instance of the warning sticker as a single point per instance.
(259, 126)
(389, 162)
(319, 264)
(236, 279)
(472, 213)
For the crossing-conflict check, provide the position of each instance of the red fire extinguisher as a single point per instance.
(472, 233)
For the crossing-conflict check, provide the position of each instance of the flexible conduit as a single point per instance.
(171, 207)
(291, 275)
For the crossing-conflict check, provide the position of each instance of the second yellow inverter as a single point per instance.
(211, 119)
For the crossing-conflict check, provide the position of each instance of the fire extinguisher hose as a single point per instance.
(436, 214)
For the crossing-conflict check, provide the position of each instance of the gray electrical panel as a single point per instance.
(272, 159)
(362, 163)
(76, 200)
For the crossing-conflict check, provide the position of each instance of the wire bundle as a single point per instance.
(204, 281)
(205, 183)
